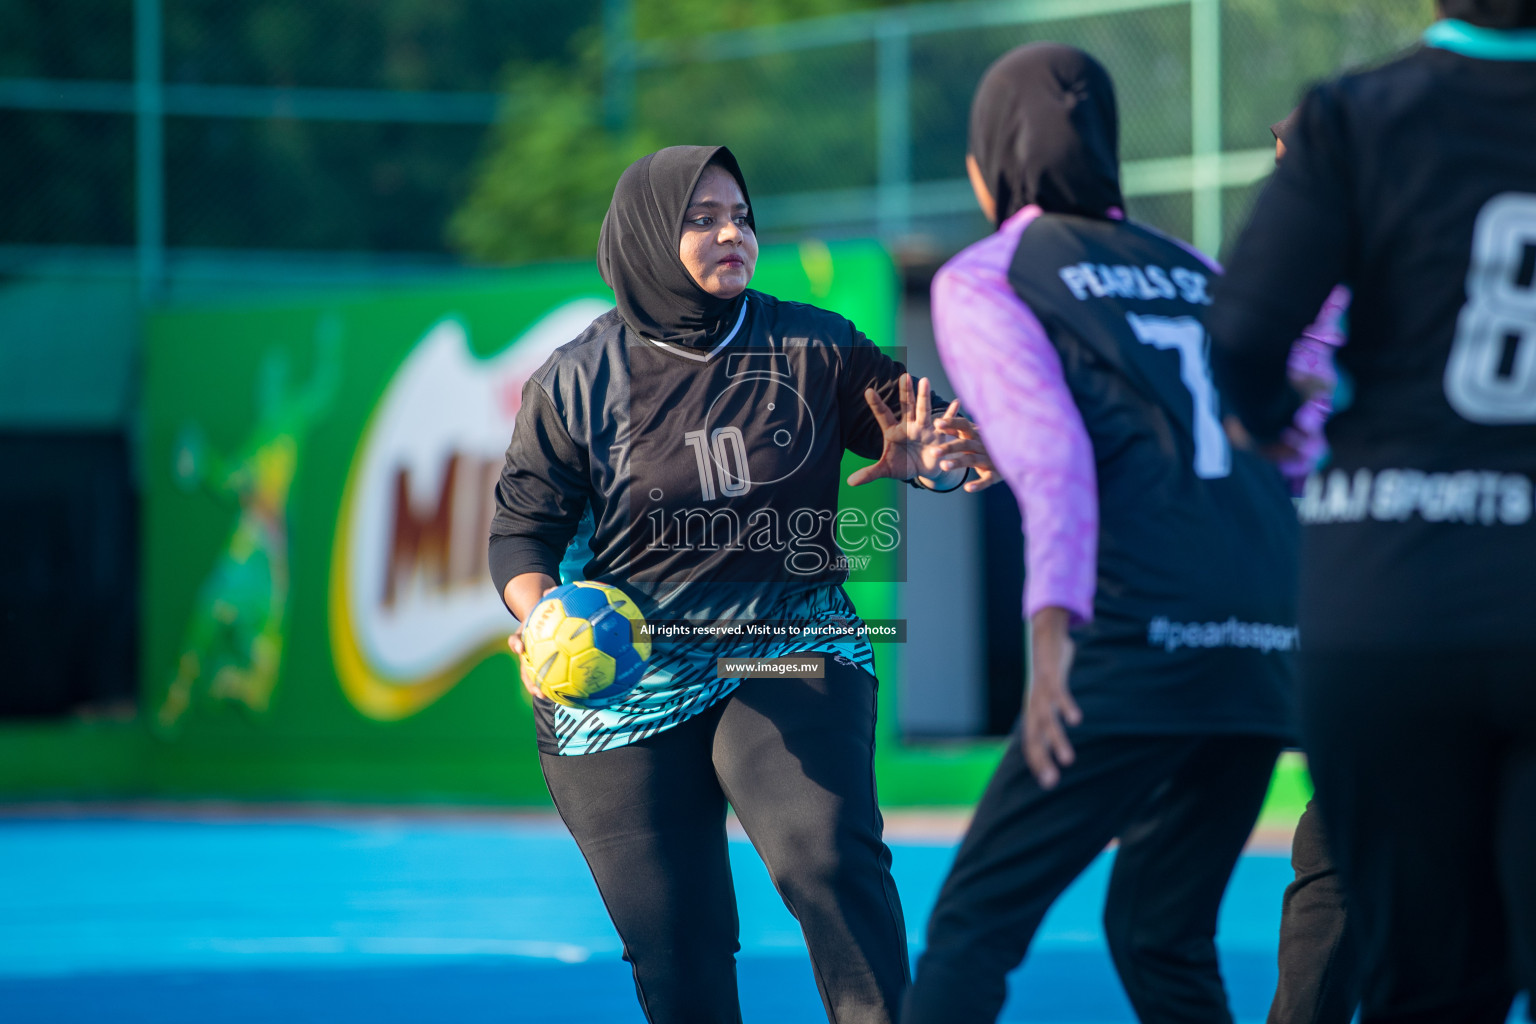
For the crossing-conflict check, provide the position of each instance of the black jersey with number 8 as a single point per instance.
(1414, 184)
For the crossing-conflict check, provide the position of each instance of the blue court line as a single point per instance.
(478, 919)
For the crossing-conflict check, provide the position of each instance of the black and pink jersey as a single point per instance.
(1077, 344)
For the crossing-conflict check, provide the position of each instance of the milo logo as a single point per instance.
(412, 606)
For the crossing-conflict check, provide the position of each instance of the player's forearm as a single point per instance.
(1248, 362)
(1250, 349)
(1296, 247)
(1007, 372)
(523, 592)
(515, 555)
(1049, 641)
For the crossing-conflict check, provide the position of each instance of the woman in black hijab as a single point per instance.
(1045, 132)
(1074, 337)
(638, 252)
(687, 449)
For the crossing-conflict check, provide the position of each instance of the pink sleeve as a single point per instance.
(1008, 377)
(1311, 369)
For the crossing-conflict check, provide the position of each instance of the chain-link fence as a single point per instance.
(167, 129)
(857, 124)
(187, 128)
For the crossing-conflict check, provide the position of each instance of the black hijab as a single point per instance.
(637, 250)
(1283, 128)
(1492, 13)
(1045, 131)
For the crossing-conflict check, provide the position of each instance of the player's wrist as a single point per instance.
(948, 480)
(1049, 639)
(525, 590)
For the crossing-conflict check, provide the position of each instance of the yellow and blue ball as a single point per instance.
(585, 643)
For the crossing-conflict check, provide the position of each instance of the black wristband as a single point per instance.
(917, 482)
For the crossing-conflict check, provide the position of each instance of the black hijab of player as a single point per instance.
(637, 251)
(1045, 132)
(1492, 13)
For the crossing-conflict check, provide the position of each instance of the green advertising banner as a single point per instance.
(319, 618)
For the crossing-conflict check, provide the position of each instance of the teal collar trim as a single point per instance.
(1486, 43)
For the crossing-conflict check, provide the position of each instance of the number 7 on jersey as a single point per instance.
(1213, 455)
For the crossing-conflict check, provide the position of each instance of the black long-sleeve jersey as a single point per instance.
(1414, 184)
(703, 483)
(707, 474)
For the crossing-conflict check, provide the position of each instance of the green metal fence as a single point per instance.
(157, 129)
(857, 123)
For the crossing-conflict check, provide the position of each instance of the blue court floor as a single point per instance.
(169, 915)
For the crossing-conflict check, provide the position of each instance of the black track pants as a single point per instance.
(1425, 767)
(1182, 808)
(794, 758)
(1319, 967)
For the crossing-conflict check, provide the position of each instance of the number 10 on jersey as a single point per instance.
(729, 463)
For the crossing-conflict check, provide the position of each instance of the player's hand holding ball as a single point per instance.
(515, 642)
(582, 646)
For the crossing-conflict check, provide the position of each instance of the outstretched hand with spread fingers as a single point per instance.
(914, 445)
(968, 452)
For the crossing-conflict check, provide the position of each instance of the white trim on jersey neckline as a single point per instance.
(689, 353)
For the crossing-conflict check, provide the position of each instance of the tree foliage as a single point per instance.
(543, 184)
(805, 121)
(667, 19)
(276, 183)
(535, 186)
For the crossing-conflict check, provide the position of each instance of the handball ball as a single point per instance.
(583, 642)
